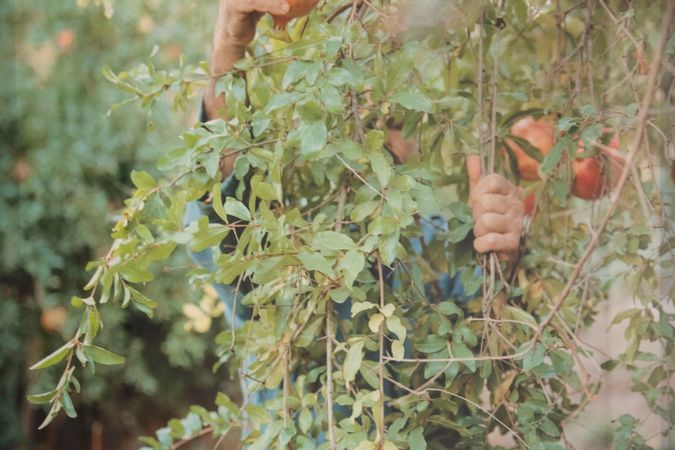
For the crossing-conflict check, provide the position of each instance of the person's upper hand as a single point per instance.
(235, 29)
(498, 212)
(237, 19)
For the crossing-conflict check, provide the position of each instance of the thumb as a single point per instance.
(473, 168)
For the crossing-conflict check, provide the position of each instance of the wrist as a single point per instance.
(225, 55)
(232, 30)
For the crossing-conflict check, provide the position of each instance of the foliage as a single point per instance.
(325, 217)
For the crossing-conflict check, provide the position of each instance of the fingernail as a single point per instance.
(285, 7)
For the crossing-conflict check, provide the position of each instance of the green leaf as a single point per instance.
(566, 123)
(263, 189)
(413, 100)
(282, 100)
(224, 401)
(305, 420)
(461, 211)
(333, 241)
(93, 324)
(363, 210)
(397, 349)
(235, 208)
(449, 309)
(431, 344)
(395, 326)
(142, 302)
(259, 125)
(416, 439)
(143, 180)
(103, 356)
(591, 135)
(45, 397)
(388, 247)
(217, 201)
(459, 233)
(562, 361)
(133, 272)
(375, 141)
(358, 307)
(462, 351)
(257, 413)
(352, 263)
(521, 315)
(534, 358)
(529, 149)
(375, 321)
(68, 406)
(316, 261)
(54, 357)
(294, 73)
(338, 76)
(50, 417)
(588, 111)
(352, 361)
(313, 137)
(209, 236)
(555, 155)
(517, 96)
(381, 168)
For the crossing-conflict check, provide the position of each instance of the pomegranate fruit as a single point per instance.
(589, 180)
(65, 39)
(53, 319)
(539, 133)
(530, 202)
(298, 8)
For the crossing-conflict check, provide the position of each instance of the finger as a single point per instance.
(496, 242)
(496, 223)
(495, 203)
(264, 6)
(493, 184)
(473, 168)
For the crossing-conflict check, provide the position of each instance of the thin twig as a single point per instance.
(381, 429)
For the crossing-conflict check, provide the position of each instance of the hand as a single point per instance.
(498, 212)
(237, 20)
(235, 29)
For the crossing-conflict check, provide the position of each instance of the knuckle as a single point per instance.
(478, 246)
(478, 229)
(494, 221)
(491, 241)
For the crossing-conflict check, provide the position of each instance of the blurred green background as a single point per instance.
(65, 171)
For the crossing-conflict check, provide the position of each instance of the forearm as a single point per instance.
(224, 57)
(227, 50)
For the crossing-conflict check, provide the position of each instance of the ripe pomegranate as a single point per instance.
(65, 39)
(21, 170)
(298, 8)
(539, 133)
(589, 179)
(53, 319)
(530, 202)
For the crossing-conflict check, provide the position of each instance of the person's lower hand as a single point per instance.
(237, 20)
(498, 212)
